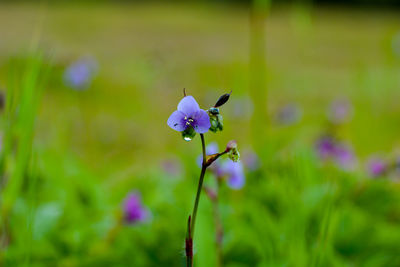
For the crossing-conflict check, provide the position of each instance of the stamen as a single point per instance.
(189, 121)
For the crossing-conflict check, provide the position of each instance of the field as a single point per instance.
(70, 155)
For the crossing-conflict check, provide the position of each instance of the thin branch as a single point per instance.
(192, 219)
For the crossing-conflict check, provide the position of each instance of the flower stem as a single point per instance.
(189, 251)
(189, 246)
(200, 185)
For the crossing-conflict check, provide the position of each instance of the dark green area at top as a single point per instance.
(353, 3)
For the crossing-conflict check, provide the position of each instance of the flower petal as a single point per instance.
(133, 209)
(212, 148)
(236, 182)
(177, 121)
(188, 106)
(201, 122)
(236, 177)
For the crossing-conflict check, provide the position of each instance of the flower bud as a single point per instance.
(215, 120)
(231, 145)
(222, 100)
(213, 111)
(233, 152)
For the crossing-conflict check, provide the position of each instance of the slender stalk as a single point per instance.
(207, 161)
(189, 245)
(200, 185)
(189, 260)
(192, 221)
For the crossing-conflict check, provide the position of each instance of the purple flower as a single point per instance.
(325, 147)
(376, 166)
(215, 167)
(340, 111)
(329, 149)
(212, 148)
(80, 73)
(344, 156)
(189, 115)
(232, 170)
(235, 173)
(133, 209)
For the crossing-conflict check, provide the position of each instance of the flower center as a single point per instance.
(189, 121)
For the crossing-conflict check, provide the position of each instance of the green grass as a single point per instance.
(70, 157)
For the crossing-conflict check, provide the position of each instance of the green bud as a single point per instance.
(214, 111)
(234, 155)
(233, 152)
(215, 120)
(188, 134)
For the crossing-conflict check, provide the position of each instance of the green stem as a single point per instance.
(199, 187)
(189, 259)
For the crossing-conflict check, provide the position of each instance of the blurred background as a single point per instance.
(91, 175)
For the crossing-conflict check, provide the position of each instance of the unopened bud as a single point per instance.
(233, 152)
(222, 100)
(216, 120)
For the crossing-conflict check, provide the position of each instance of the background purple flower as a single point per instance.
(325, 147)
(235, 174)
(233, 171)
(330, 149)
(189, 114)
(215, 167)
(212, 148)
(340, 111)
(344, 156)
(376, 166)
(133, 209)
(79, 74)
